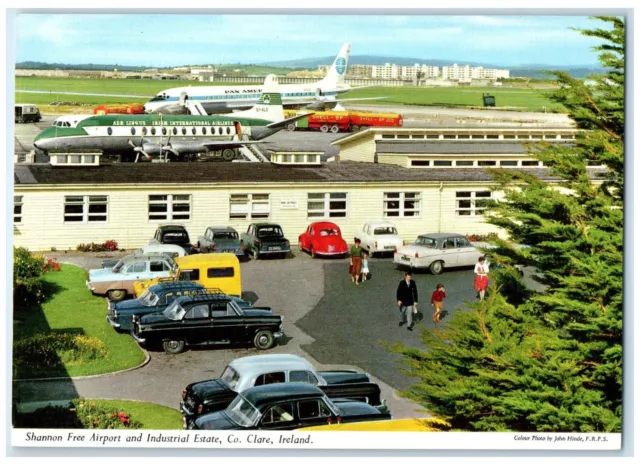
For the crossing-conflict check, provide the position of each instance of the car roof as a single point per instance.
(259, 225)
(211, 297)
(254, 365)
(217, 259)
(441, 235)
(174, 285)
(261, 396)
(145, 257)
(381, 223)
(164, 227)
(221, 228)
(325, 224)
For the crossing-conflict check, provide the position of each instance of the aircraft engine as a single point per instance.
(184, 147)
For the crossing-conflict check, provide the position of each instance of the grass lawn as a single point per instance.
(73, 309)
(152, 416)
(516, 98)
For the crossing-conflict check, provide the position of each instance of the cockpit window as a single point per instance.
(159, 98)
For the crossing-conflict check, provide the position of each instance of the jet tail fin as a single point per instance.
(269, 106)
(335, 76)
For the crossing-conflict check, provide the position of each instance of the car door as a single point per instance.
(313, 412)
(467, 253)
(137, 271)
(449, 252)
(196, 324)
(280, 416)
(226, 324)
(158, 268)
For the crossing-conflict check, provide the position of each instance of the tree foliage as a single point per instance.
(546, 360)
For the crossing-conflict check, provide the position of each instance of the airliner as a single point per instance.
(170, 135)
(220, 99)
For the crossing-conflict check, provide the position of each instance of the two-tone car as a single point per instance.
(117, 282)
(156, 299)
(208, 319)
(257, 370)
(220, 239)
(437, 251)
(379, 237)
(265, 239)
(285, 406)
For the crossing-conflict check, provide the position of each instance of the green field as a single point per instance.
(515, 98)
(512, 98)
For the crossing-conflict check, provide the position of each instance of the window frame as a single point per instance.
(18, 203)
(474, 210)
(86, 215)
(171, 201)
(250, 202)
(401, 209)
(327, 212)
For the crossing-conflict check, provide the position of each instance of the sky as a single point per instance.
(164, 40)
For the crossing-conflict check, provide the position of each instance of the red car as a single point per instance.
(323, 238)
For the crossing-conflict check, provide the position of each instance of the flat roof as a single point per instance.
(181, 174)
(418, 146)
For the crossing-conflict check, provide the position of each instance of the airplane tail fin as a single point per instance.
(269, 106)
(335, 76)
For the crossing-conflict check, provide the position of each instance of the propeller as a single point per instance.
(139, 149)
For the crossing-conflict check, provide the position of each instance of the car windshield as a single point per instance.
(230, 377)
(242, 412)
(148, 298)
(174, 311)
(426, 242)
(385, 231)
(175, 238)
(328, 232)
(270, 231)
(118, 267)
(225, 235)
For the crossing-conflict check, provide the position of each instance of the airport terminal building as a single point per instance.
(408, 176)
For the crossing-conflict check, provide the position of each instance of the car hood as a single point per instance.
(206, 390)
(129, 305)
(154, 318)
(215, 421)
(104, 274)
(422, 251)
(349, 407)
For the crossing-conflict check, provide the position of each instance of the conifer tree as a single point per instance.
(548, 360)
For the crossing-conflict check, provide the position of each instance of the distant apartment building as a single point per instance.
(195, 71)
(428, 72)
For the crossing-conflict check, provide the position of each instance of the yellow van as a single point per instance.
(405, 424)
(212, 270)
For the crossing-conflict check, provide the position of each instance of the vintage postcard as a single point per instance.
(303, 231)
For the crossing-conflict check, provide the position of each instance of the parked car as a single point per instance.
(169, 249)
(257, 370)
(438, 251)
(156, 299)
(117, 282)
(323, 238)
(379, 237)
(285, 406)
(220, 270)
(173, 234)
(265, 239)
(207, 319)
(220, 239)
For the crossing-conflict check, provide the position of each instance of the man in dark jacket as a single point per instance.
(407, 296)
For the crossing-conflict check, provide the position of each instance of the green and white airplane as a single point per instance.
(164, 135)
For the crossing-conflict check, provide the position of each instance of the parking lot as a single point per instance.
(327, 319)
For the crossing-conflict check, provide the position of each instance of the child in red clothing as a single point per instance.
(436, 301)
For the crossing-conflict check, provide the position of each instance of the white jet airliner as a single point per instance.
(220, 99)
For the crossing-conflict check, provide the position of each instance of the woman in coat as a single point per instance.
(355, 262)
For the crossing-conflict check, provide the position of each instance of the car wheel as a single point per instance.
(117, 295)
(291, 127)
(173, 347)
(263, 340)
(324, 128)
(437, 267)
(312, 252)
(335, 128)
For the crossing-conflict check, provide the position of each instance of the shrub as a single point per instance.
(108, 246)
(483, 237)
(80, 414)
(47, 350)
(50, 264)
(111, 245)
(27, 270)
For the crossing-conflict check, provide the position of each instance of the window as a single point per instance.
(433, 136)
(175, 131)
(189, 275)
(449, 136)
(89, 159)
(464, 163)
(75, 159)
(219, 130)
(204, 131)
(508, 163)
(449, 243)
(509, 136)
(17, 209)
(442, 162)
(144, 131)
(220, 272)
(159, 266)
(169, 207)
(302, 377)
(402, 204)
(153, 131)
(164, 131)
(420, 162)
(471, 203)
(493, 136)
(279, 413)
(327, 205)
(270, 378)
(85, 208)
(197, 311)
(193, 131)
(529, 163)
(252, 206)
(477, 136)
(314, 408)
(110, 131)
(133, 131)
(184, 131)
(138, 267)
(486, 163)
(388, 136)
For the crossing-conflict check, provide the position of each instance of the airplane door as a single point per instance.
(319, 93)
(238, 127)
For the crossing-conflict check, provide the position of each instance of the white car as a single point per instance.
(438, 251)
(379, 237)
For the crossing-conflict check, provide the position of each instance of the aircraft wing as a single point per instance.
(284, 123)
(228, 144)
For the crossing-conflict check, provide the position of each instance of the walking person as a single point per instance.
(355, 261)
(407, 297)
(482, 277)
(436, 301)
(365, 265)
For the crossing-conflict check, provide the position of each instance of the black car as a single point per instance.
(205, 320)
(256, 370)
(156, 299)
(265, 239)
(173, 234)
(285, 406)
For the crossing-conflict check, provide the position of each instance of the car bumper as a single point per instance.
(89, 286)
(113, 323)
(267, 252)
(411, 263)
(137, 338)
(278, 335)
(331, 254)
